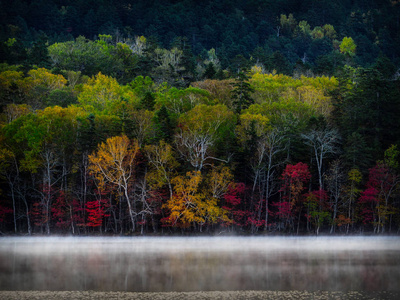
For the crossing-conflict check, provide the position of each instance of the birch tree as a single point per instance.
(114, 163)
(200, 128)
(323, 142)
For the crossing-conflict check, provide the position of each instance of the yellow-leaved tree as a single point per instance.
(46, 79)
(192, 205)
(114, 163)
(185, 205)
(162, 164)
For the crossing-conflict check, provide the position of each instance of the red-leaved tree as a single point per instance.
(97, 210)
(233, 199)
(66, 211)
(376, 201)
(295, 178)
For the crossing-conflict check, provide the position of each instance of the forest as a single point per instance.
(199, 117)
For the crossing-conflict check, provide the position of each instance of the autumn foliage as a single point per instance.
(255, 154)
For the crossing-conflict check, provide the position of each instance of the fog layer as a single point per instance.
(204, 263)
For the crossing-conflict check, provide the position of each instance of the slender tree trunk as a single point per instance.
(298, 222)
(14, 209)
(267, 193)
(334, 216)
(71, 213)
(28, 219)
(130, 208)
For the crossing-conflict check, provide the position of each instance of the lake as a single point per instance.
(162, 264)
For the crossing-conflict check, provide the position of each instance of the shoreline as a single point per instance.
(199, 295)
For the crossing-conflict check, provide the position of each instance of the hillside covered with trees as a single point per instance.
(126, 117)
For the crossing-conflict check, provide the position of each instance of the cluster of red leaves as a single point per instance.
(294, 179)
(97, 210)
(380, 181)
(298, 173)
(66, 211)
(282, 209)
(233, 198)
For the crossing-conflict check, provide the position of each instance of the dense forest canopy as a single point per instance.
(241, 32)
(199, 116)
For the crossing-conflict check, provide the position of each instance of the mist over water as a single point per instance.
(155, 264)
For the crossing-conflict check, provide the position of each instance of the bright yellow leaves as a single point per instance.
(113, 162)
(186, 204)
(11, 78)
(192, 203)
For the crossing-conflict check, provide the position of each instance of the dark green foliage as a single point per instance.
(163, 125)
(87, 135)
(324, 64)
(231, 27)
(278, 62)
(148, 101)
(357, 154)
(210, 72)
(188, 61)
(385, 67)
(12, 51)
(241, 92)
(38, 54)
(63, 98)
(367, 109)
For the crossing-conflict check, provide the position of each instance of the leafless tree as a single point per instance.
(322, 142)
(195, 147)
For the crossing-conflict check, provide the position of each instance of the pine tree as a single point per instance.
(163, 124)
(210, 72)
(148, 101)
(241, 92)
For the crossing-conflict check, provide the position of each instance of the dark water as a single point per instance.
(207, 263)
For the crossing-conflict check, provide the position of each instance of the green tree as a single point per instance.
(348, 48)
(241, 92)
(144, 88)
(38, 54)
(200, 129)
(86, 56)
(101, 93)
(209, 72)
(164, 128)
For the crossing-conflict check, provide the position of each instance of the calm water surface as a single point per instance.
(156, 264)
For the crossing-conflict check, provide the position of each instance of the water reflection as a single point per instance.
(191, 264)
